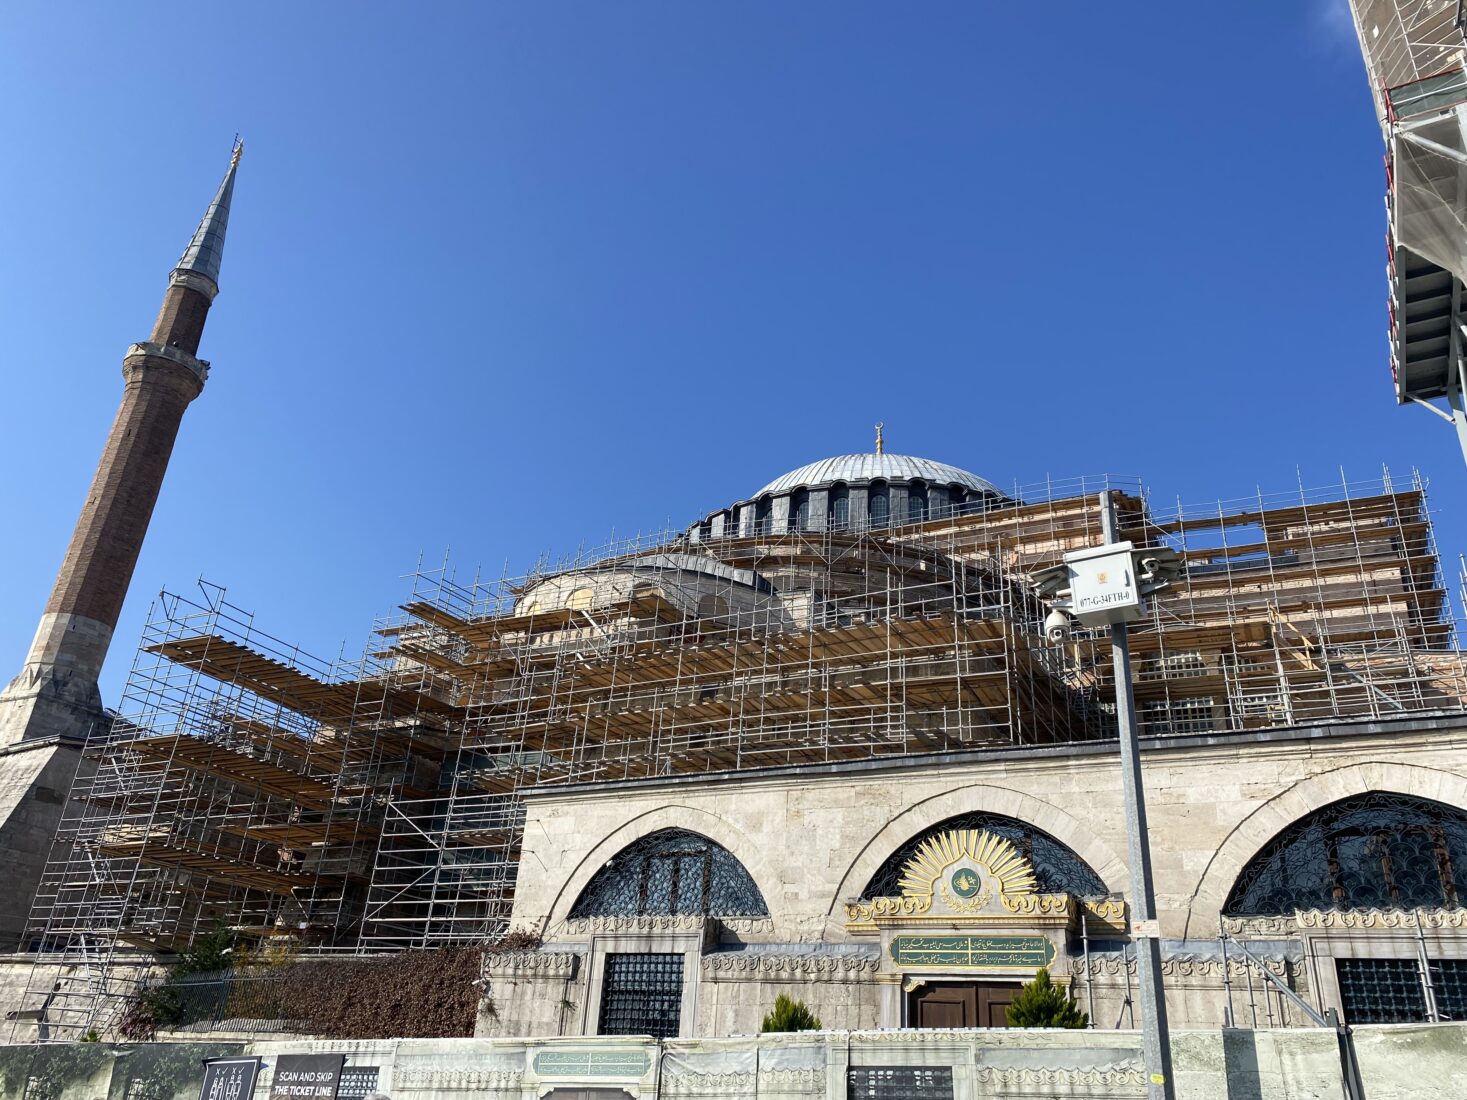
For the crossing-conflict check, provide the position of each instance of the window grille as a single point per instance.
(1449, 983)
(672, 871)
(899, 1083)
(1381, 991)
(357, 1082)
(1186, 663)
(1057, 870)
(642, 994)
(1177, 717)
(1373, 851)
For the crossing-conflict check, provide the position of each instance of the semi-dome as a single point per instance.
(873, 467)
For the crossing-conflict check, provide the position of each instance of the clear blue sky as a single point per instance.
(504, 277)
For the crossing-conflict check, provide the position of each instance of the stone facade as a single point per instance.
(811, 838)
(1396, 1063)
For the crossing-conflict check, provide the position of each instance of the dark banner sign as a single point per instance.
(306, 1076)
(229, 1078)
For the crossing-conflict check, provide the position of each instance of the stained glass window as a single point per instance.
(1057, 870)
(672, 871)
(1373, 851)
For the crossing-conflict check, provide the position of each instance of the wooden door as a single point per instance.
(947, 1005)
(994, 999)
(962, 1004)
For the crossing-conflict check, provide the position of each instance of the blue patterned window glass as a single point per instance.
(1377, 850)
(671, 872)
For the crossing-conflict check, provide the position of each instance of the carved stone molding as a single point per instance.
(800, 1081)
(1037, 905)
(861, 915)
(1382, 918)
(918, 1036)
(1113, 966)
(1106, 910)
(472, 1078)
(1130, 1072)
(1261, 926)
(633, 925)
(751, 965)
(532, 964)
(1347, 919)
(708, 1084)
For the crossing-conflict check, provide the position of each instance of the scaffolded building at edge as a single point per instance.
(1416, 58)
(876, 609)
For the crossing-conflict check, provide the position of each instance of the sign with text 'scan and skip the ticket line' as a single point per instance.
(306, 1076)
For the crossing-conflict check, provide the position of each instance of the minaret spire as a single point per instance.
(50, 709)
(205, 251)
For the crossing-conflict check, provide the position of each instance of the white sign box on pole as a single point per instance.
(1103, 585)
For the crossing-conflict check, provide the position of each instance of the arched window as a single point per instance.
(958, 497)
(800, 510)
(880, 505)
(671, 872)
(763, 515)
(1374, 851)
(917, 503)
(840, 506)
(1057, 870)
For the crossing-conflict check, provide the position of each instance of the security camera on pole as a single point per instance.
(1107, 586)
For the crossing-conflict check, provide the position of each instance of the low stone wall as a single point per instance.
(1397, 1062)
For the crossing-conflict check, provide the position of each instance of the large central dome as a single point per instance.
(873, 467)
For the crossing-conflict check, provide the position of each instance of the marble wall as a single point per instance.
(1396, 1063)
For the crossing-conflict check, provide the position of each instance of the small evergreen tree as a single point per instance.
(1041, 1003)
(790, 1015)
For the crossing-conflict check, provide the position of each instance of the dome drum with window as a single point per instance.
(853, 493)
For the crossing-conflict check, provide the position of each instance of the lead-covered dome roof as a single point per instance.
(873, 467)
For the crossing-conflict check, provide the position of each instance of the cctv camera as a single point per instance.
(1056, 626)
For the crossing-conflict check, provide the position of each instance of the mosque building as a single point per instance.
(818, 742)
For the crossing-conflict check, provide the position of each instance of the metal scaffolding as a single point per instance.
(375, 805)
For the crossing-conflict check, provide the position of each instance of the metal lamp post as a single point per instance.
(1106, 585)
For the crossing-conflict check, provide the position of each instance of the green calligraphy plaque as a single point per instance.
(592, 1063)
(972, 952)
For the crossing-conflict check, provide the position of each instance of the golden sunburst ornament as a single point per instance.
(993, 853)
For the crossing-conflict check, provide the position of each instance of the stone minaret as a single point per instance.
(49, 710)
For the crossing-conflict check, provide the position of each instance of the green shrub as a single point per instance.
(790, 1015)
(1041, 1003)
